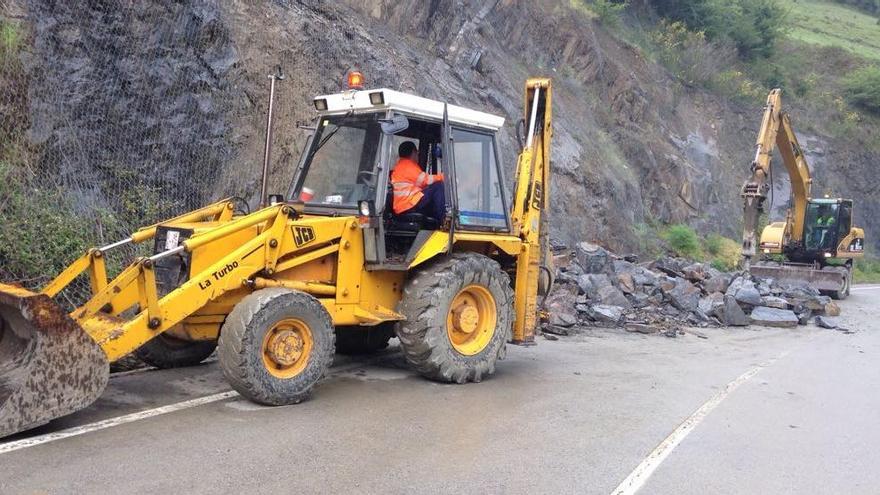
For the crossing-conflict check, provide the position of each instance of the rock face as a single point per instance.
(772, 317)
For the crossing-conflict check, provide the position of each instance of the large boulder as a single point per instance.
(711, 302)
(718, 283)
(591, 283)
(604, 313)
(775, 302)
(731, 314)
(613, 296)
(644, 277)
(594, 258)
(561, 305)
(745, 292)
(684, 295)
(626, 283)
(772, 317)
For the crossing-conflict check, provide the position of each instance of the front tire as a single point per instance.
(458, 318)
(276, 345)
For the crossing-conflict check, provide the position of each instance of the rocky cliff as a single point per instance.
(165, 101)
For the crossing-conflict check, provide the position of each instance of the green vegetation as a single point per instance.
(725, 253)
(607, 11)
(830, 24)
(867, 271)
(683, 241)
(719, 251)
(862, 88)
(752, 26)
(10, 39)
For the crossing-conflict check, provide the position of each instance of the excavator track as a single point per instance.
(49, 366)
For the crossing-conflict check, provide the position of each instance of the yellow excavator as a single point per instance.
(817, 242)
(326, 265)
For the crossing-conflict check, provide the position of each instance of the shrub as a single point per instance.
(689, 55)
(725, 252)
(608, 11)
(683, 241)
(753, 26)
(862, 88)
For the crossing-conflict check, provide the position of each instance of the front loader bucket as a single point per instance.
(49, 366)
(825, 280)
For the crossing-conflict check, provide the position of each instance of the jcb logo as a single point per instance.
(303, 235)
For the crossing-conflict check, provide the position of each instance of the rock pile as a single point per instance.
(595, 287)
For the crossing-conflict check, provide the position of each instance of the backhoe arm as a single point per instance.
(531, 197)
(776, 131)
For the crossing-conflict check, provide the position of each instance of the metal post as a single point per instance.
(278, 76)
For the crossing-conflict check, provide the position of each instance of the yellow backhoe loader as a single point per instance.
(817, 241)
(327, 264)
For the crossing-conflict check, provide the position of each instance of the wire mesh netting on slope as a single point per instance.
(116, 116)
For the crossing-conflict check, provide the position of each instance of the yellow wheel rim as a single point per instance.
(470, 323)
(286, 348)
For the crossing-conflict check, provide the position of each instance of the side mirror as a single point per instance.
(398, 123)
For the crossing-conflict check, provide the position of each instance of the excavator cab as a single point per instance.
(824, 223)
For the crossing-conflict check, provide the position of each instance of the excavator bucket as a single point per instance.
(49, 366)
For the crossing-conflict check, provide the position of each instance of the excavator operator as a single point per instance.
(416, 191)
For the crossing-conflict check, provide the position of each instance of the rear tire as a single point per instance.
(166, 351)
(426, 335)
(363, 340)
(276, 345)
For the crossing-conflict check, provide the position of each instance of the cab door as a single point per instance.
(480, 199)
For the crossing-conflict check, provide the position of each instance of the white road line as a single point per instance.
(865, 287)
(149, 413)
(634, 482)
(109, 423)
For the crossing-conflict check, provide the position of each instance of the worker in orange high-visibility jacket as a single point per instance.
(416, 191)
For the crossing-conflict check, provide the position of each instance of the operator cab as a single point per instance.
(827, 222)
(347, 162)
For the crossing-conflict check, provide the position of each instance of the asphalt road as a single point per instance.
(778, 411)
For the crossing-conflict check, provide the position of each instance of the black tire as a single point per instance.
(363, 340)
(843, 292)
(426, 302)
(241, 345)
(166, 351)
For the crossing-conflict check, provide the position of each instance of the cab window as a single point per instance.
(477, 180)
(339, 167)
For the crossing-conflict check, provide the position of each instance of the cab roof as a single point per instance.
(388, 99)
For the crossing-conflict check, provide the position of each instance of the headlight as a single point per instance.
(377, 98)
(827, 255)
(321, 104)
(766, 251)
(366, 208)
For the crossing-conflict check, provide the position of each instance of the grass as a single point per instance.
(830, 24)
(867, 271)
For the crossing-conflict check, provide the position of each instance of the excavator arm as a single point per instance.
(776, 132)
(530, 199)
